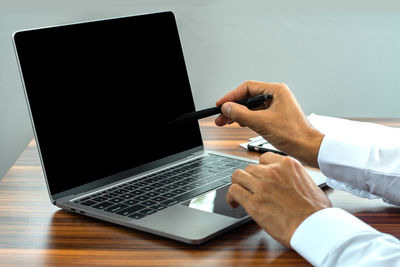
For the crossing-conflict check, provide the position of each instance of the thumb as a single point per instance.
(238, 113)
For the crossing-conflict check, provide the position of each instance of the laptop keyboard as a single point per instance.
(149, 194)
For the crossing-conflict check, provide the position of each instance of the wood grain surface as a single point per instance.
(33, 232)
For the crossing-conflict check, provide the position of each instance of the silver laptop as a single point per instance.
(101, 95)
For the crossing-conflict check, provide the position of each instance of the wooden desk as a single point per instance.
(34, 232)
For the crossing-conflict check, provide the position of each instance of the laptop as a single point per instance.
(101, 95)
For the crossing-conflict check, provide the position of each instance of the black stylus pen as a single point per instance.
(249, 103)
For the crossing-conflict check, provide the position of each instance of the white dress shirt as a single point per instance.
(368, 166)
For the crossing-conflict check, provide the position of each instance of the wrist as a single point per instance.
(309, 148)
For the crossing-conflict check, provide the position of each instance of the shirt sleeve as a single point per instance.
(363, 165)
(333, 237)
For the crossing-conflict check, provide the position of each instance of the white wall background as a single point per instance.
(341, 58)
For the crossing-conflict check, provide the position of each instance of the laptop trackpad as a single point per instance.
(215, 202)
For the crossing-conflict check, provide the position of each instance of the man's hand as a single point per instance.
(283, 123)
(277, 193)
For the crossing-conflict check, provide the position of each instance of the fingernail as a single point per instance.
(226, 109)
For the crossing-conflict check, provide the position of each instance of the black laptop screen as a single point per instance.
(102, 93)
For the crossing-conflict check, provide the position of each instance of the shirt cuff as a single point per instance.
(344, 158)
(324, 230)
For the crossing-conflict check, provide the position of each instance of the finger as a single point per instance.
(255, 170)
(237, 195)
(270, 157)
(246, 180)
(245, 90)
(241, 114)
(221, 120)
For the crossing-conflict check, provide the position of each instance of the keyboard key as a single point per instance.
(198, 184)
(207, 173)
(169, 202)
(150, 181)
(218, 176)
(141, 184)
(169, 174)
(158, 185)
(148, 203)
(222, 168)
(141, 198)
(199, 191)
(159, 199)
(158, 207)
(209, 180)
(147, 188)
(193, 179)
(124, 212)
(137, 192)
(227, 179)
(100, 199)
(131, 187)
(116, 200)
(184, 175)
(131, 202)
(233, 163)
(178, 191)
(169, 195)
(103, 205)
(156, 179)
(172, 186)
(228, 172)
(127, 196)
(120, 191)
(182, 183)
(116, 208)
(151, 194)
(172, 180)
(161, 190)
(187, 187)
(89, 203)
(147, 211)
(110, 195)
(130, 210)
